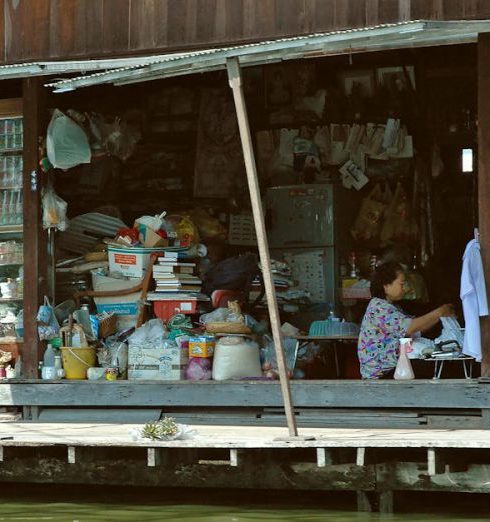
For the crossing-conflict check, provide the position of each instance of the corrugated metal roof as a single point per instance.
(21, 70)
(381, 37)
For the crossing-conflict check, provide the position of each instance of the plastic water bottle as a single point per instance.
(83, 318)
(48, 359)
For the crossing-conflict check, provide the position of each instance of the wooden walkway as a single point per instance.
(374, 463)
(110, 435)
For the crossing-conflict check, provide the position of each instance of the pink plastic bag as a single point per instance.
(199, 369)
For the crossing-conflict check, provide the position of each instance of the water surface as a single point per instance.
(89, 503)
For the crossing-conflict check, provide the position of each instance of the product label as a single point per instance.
(125, 259)
(201, 348)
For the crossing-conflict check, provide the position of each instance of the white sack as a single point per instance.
(234, 357)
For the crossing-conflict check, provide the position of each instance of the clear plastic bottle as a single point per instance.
(18, 367)
(403, 370)
(49, 355)
(82, 316)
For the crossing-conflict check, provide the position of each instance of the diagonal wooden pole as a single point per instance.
(235, 81)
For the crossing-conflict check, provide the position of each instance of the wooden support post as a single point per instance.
(1, 454)
(153, 457)
(235, 81)
(321, 457)
(30, 413)
(72, 455)
(386, 502)
(234, 458)
(364, 503)
(34, 237)
(485, 419)
(484, 181)
(431, 462)
(361, 456)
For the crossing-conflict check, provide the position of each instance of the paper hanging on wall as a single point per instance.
(352, 176)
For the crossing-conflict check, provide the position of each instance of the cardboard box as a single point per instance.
(126, 307)
(149, 238)
(157, 363)
(130, 262)
(202, 346)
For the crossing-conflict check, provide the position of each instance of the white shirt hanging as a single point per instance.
(474, 297)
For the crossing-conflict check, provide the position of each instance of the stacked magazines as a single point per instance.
(173, 273)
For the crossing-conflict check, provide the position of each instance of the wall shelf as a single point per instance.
(11, 229)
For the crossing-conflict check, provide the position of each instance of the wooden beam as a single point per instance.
(235, 80)
(34, 242)
(484, 181)
(353, 394)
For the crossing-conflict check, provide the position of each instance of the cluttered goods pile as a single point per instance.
(225, 344)
(158, 309)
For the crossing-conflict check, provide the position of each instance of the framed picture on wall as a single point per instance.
(398, 79)
(358, 83)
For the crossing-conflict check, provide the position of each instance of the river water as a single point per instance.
(82, 503)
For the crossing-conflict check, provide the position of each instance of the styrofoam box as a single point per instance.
(156, 363)
(131, 262)
(126, 307)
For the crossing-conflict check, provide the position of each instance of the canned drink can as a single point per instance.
(111, 374)
(18, 125)
(17, 142)
(9, 126)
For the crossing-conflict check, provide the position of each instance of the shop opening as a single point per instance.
(362, 160)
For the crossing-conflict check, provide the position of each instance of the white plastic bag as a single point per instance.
(151, 334)
(67, 144)
(54, 210)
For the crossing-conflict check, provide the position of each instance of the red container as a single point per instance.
(166, 309)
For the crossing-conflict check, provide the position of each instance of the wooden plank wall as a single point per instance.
(67, 29)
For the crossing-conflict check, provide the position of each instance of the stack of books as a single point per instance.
(172, 274)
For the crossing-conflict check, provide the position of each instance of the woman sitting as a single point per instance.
(384, 323)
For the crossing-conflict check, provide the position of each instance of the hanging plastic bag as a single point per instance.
(54, 210)
(399, 224)
(48, 327)
(66, 142)
(368, 221)
(186, 230)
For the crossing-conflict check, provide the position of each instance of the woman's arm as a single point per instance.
(427, 321)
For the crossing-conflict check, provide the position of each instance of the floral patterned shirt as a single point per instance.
(382, 327)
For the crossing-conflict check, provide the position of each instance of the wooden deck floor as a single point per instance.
(374, 463)
(110, 435)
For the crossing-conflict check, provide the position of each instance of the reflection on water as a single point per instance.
(85, 503)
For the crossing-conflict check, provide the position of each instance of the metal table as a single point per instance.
(466, 361)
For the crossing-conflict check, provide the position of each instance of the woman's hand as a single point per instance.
(427, 321)
(446, 310)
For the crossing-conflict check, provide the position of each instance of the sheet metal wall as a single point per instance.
(51, 29)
